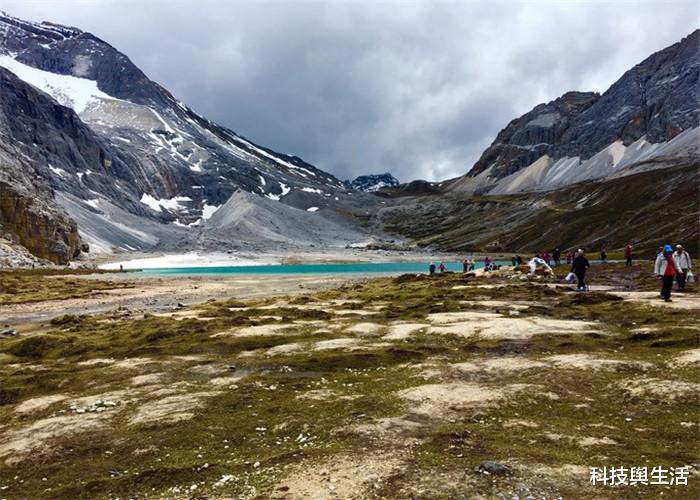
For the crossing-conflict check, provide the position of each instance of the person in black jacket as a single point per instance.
(579, 266)
(556, 256)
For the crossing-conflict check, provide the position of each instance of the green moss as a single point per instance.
(19, 287)
(260, 418)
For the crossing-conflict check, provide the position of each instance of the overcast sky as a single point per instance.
(417, 88)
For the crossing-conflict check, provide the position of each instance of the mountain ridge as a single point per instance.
(654, 101)
(151, 155)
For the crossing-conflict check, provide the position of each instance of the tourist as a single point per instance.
(487, 263)
(579, 266)
(442, 267)
(547, 258)
(628, 255)
(518, 260)
(472, 264)
(514, 261)
(569, 257)
(556, 256)
(603, 255)
(666, 268)
(431, 268)
(684, 264)
(536, 262)
(465, 265)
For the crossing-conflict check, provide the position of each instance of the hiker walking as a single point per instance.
(472, 264)
(666, 268)
(603, 255)
(431, 268)
(628, 255)
(546, 258)
(465, 265)
(442, 267)
(579, 266)
(683, 261)
(514, 260)
(569, 257)
(556, 256)
(487, 263)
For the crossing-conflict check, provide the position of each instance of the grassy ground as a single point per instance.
(390, 388)
(23, 286)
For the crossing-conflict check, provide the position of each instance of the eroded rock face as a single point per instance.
(656, 99)
(28, 212)
(534, 134)
(45, 232)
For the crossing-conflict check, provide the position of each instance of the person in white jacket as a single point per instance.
(682, 258)
(666, 268)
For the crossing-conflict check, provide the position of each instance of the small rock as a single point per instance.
(8, 332)
(490, 467)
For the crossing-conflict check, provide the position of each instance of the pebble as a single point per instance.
(491, 467)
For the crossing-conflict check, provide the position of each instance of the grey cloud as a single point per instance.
(417, 88)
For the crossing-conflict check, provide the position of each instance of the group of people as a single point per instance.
(671, 266)
(468, 265)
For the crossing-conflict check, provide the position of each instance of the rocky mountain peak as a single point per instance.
(373, 182)
(655, 100)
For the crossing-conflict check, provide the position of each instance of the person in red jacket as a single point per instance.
(666, 268)
(628, 255)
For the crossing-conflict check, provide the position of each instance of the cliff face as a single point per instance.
(45, 233)
(28, 211)
(534, 134)
(655, 100)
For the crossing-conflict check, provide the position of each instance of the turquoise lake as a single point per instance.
(346, 268)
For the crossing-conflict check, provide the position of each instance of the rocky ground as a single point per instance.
(488, 386)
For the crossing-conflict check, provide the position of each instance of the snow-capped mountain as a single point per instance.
(650, 115)
(372, 183)
(141, 159)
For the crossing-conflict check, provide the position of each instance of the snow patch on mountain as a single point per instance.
(70, 91)
(209, 210)
(615, 160)
(173, 203)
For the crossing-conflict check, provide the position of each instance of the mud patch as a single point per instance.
(591, 362)
(496, 326)
(401, 331)
(38, 436)
(658, 389)
(38, 404)
(364, 328)
(254, 331)
(148, 379)
(284, 349)
(687, 358)
(341, 343)
(504, 364)
(434, 399)
(170, 409)
(339, 477)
